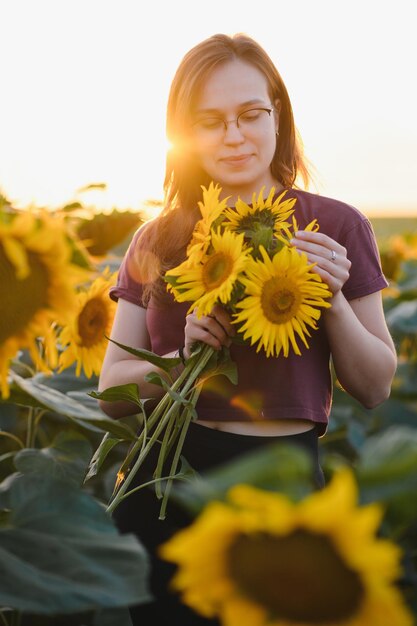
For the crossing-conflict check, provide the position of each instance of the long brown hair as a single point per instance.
(168, 234)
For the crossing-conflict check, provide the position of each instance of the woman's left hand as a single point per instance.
(332, 264)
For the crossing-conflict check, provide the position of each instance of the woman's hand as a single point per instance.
(332, 264)
(214, 329)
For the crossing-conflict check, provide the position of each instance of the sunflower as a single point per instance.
(101, 232)
(213, 278)
(312, 226)
(84, 338)
(259, 559)
(283, 297)
(37, 280)
(397, 249)
(263, 219)
(211, 208)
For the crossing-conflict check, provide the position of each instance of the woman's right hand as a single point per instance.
(215, 329)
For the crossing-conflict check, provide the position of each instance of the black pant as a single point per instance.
(204, 449)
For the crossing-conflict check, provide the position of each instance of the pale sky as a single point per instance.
(84, 85)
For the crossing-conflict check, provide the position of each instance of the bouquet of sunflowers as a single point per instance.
(240, 257)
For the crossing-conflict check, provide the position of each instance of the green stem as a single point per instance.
(7, 456)
(131, 455)
(162, 454)
(141, 457)
(30, 434)
(139, 445)
(141, 439)
(177, 455)
(147, 484)
(4, 433)
(170, 407)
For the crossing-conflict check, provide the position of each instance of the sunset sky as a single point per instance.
(84, 85)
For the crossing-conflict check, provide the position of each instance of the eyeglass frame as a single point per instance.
(226, 123)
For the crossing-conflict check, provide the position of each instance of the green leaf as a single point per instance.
(407, 283)
(387, 471)
(185, 471)
(128, 392)
(395, 412)
(225, 366)
(155, 379)
(175, 396)
(390, 455)
(84, 398)
(405, 382)
(171, 280)
(106, 446)
(402, 318)
(20, 397)
(67, 458)
(163, 363)
(61, 553)
(67, 381)
(64, 405)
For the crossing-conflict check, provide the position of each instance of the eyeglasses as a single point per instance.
(248, 121)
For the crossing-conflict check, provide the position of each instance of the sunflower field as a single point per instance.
(63, 562)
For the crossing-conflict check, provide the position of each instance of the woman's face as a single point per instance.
(236, 155)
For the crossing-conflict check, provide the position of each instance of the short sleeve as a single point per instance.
(138, 268)
(366, 274)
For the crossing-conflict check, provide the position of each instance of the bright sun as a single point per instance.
(94, 112)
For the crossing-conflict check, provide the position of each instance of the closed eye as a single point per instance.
(210, 123)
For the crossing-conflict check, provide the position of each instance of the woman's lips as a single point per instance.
(236, 160)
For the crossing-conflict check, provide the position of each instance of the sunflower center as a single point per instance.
(92, 322)
(21, 299)
(299, 577)
(216, 270)
(256, 220)
(280, 299)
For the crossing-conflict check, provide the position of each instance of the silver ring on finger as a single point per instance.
(333, 256)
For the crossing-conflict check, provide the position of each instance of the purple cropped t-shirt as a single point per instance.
(293, 387)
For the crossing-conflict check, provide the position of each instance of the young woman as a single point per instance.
(230, 121)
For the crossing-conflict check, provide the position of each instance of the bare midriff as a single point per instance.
(263, 428)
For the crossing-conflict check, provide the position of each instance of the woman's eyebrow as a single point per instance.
(240, 106)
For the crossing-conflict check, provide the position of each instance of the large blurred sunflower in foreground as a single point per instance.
(84, 337)
(258, 559)
(37, 280)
